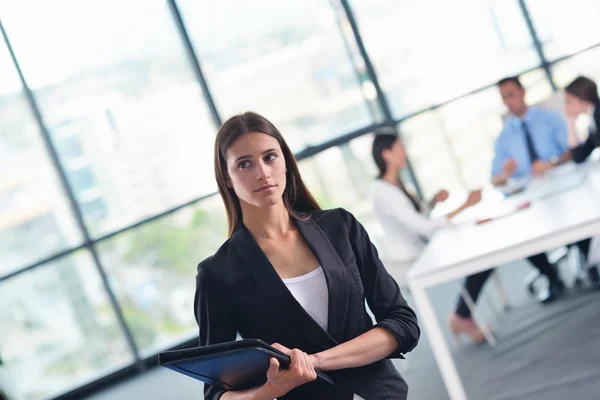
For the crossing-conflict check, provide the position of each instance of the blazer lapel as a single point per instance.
(274, 290)
(335, 274)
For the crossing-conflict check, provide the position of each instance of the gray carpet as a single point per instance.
(544, 352)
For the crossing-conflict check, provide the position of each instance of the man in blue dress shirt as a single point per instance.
(533, 139)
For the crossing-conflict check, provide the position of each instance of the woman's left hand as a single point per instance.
(311, 357)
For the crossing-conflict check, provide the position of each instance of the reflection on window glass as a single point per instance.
(152, 270)
(291, 64)
(452, 147)
(342, 177)
(429, 51)
(587, 64)
(565, 27)
(35, 218)
(57, 330)
(121, 103)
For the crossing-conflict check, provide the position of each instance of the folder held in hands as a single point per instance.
(236, 365)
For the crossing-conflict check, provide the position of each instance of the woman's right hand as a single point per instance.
(280, 381)
(474, 198)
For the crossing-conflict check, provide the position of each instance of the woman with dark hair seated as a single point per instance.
(582, 98)
(407, 228)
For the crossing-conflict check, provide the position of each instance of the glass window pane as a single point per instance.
(342, 177)
(429, 51)
(35, 217)
(292, 66)
(586, 63)
(152, 271)
(452, 147)
(58, 330)
(565, 27)
(121, 102)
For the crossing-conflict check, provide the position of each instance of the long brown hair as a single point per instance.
(385, 141)
(296, 196)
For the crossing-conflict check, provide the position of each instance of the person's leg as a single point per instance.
(473, 285)
(460, 321)
(584, 246)
(540, 261)
(555, 284)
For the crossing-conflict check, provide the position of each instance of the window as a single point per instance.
(429, 51)
(57, 329)
(290, 65)
(565, 27)
(342, 177)
(152, 270)
(587, 64)
(36, 220)
(127, 91)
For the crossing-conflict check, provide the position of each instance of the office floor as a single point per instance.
(544, 352)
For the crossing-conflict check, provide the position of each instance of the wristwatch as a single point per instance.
(554, 160)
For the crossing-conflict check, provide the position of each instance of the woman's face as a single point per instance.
(395, 156)
(256, 169)
(574, 105)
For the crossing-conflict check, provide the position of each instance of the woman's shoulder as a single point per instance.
(329, 215)
(333, 219)
(385, 192)
(218, 263)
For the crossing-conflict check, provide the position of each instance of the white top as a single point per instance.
(405, 228)
(310, 290)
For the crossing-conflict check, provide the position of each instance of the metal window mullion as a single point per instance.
(383, 102)
(195, 62)
(539, 47)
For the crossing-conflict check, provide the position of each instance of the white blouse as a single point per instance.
(406, 229)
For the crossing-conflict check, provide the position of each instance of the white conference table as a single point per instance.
(565, 208)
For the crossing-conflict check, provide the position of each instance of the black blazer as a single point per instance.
(238, 290)
(581, 152)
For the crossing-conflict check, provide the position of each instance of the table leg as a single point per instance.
(438, 343)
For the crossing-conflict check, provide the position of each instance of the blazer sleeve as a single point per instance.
(581, 152)
(214, 316)
(381, 290)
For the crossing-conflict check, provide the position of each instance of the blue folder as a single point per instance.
(237, 365)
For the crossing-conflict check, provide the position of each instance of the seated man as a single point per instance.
(532, 141)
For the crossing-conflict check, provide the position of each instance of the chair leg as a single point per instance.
(501, 290)
(491, 303)
(489, 337)
(530, 280)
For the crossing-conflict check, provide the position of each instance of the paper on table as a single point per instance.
(505, 212)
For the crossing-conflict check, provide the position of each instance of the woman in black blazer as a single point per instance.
(277, 232)
(582, 98)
